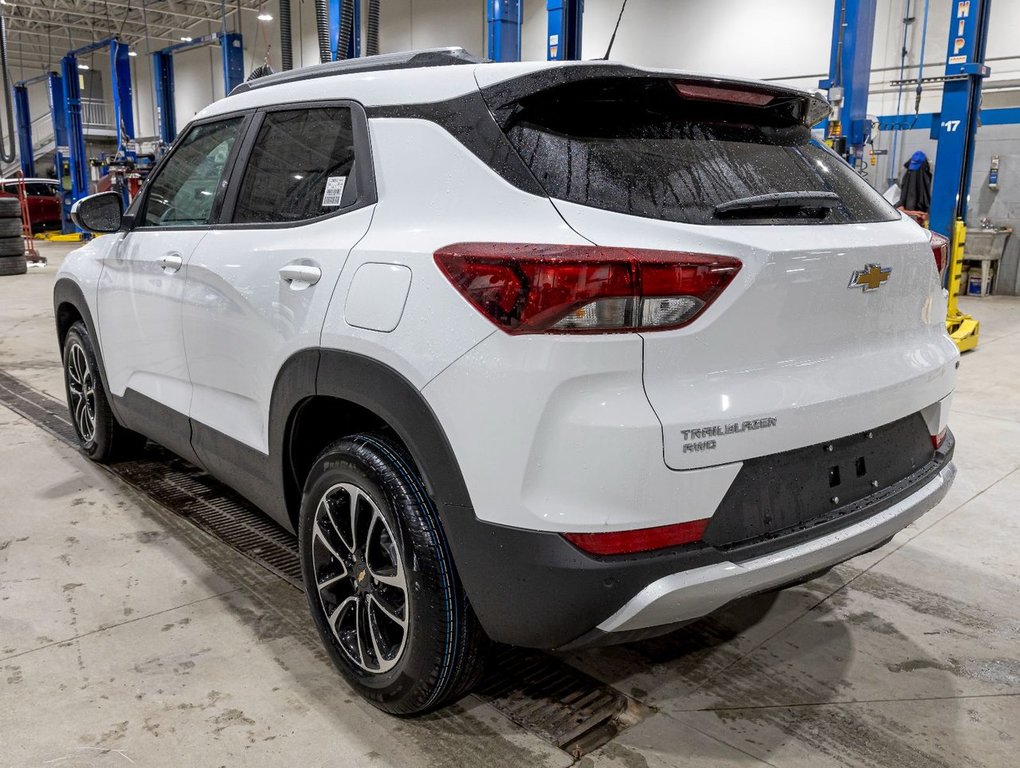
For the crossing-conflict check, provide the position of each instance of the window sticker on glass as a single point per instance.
(334, 191)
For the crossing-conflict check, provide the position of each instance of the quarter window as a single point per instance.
(301, 167)
(184, 191)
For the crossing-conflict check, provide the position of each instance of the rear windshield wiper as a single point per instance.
(779, 205)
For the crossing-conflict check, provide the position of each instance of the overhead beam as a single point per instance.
(57, 9)
(13, 27)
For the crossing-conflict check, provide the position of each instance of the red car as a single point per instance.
(43, 201)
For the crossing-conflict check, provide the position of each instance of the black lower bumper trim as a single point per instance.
(535, 589)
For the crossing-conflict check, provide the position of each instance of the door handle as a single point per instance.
(171, 262)
(300, 275)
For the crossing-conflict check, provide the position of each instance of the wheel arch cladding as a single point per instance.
(321, 395)
(70, 306)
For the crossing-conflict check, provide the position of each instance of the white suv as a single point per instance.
(548, 354)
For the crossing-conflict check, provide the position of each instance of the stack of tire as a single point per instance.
(12, 243)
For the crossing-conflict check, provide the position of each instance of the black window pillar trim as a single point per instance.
(135, 215)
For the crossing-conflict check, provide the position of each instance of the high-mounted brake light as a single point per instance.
(940, 250)
(526, 288)
(640, 540)
(716, 93)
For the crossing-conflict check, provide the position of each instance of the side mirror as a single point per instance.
(100, 213)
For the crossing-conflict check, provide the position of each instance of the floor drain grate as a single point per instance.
(556, 702)
(540, 693)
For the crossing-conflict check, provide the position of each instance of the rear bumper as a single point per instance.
(700, 591)
(534, 589)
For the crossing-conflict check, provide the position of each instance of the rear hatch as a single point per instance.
(834, 324)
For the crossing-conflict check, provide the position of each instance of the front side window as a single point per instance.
(184, 191)
(301, 167)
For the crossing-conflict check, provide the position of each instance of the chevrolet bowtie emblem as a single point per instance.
(870, 278)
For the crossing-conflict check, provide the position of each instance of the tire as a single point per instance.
(10, 227)
(387, 570)
(12, 246)
(13, 265)
(100, 436)
(10, 207)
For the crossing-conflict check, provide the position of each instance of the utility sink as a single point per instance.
(986, 244)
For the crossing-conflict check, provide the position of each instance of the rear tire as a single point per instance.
(13, 265)
(380, 581)
(99, 434)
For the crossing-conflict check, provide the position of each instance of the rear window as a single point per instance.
(637, 146)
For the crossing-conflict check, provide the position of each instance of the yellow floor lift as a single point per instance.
(962, 328)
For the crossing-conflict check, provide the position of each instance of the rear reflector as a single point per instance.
(640, 540)
(937, 440)
(940, 250)
(527, 288)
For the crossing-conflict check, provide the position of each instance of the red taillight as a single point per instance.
(640, 540)
(937, 440)
(525, 288)
(940, 249)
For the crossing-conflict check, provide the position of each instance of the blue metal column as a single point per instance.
(353, 43)
(503, 18)
(23, 121)
(56, 90)
(75, 131)
(958, 122)
(564, 40)
(123, 103)
(163, 77)
(233, 61)
(853, 35)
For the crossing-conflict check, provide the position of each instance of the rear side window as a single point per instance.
(637, 146)
(301, 167)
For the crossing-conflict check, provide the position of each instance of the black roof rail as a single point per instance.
(430, 57)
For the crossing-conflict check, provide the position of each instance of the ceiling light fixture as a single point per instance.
(265, 17)
(132, 53)
(187, 39)
(83, 66)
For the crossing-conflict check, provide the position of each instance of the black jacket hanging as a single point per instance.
(915, 187)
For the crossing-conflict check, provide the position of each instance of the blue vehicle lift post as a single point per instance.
(61, 161)
(957, 123)
(353, 43)
(956, 129)
(23, 123)
(853, 35)
(563, 42)
(70, 106)
(232, 50)
(503, 18)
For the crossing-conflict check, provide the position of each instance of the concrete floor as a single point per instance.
(129, 637)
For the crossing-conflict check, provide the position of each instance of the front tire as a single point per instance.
(380, 581)
(100, 436)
